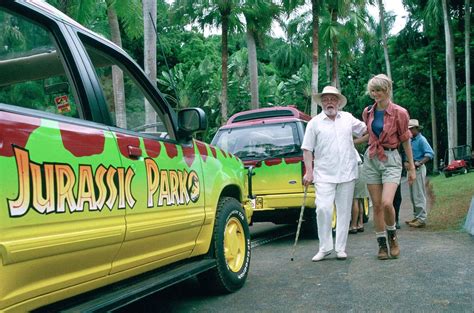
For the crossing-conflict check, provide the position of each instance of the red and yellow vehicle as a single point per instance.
(104, 191)
(268, 140)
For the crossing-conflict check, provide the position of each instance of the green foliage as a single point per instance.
(284, 64)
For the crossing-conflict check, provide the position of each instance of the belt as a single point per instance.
(389, 149)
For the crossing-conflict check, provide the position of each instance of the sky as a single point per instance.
(396, 7)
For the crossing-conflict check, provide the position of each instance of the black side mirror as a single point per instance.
(191, 120)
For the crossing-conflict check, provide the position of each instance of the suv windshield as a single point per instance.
(259, 141)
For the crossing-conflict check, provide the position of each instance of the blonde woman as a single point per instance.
(387, 126)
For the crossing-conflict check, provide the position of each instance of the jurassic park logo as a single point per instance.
(57, 188)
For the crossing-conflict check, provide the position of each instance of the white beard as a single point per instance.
(330, 112)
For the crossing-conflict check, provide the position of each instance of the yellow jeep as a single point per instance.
(268, 141)
(99, 192)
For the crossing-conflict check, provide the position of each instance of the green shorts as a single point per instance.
(378, 172)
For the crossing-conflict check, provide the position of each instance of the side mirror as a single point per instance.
(191, 120)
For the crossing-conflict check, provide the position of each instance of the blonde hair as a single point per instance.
(380, 82)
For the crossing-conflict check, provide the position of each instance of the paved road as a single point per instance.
(435, 273)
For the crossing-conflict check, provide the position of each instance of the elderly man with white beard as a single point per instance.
(328, 145)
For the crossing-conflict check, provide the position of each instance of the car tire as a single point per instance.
(230, 247)
(447, 175)
(464, 170)
(310, 224)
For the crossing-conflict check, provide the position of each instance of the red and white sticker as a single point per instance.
(62, 103)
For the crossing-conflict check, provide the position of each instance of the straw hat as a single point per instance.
(330, 90)
(414, 123)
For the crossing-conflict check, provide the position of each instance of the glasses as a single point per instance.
(329, 99)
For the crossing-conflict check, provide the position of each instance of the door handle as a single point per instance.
(134, 152)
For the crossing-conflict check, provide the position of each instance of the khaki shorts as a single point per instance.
(360, 189)
(378, 172)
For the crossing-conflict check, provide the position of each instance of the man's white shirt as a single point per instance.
(332, 145)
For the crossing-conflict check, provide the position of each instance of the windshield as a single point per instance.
(260, 141)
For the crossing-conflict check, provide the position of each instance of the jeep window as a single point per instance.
(129, 108)
(262, 141)
(32, 72)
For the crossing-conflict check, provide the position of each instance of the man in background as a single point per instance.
(422, 153)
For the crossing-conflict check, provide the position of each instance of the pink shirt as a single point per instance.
(395, 129)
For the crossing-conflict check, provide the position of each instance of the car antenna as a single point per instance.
(166, 60)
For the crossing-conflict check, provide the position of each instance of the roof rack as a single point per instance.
(265, 113)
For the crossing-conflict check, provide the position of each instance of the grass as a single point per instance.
(451, 198)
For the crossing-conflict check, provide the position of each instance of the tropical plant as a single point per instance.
(259, 15)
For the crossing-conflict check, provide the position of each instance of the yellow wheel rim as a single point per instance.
(234, 244)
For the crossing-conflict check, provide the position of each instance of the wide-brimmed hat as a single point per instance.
(330, 90)
(414, 123)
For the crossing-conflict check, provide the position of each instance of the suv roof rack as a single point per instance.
(272, 112)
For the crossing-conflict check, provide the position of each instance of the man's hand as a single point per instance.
(411, 175)
(308, 178)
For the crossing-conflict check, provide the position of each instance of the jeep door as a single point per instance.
(164, 207)
(60, 223)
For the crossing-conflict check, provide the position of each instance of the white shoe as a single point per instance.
(341, 255)
(320, 255)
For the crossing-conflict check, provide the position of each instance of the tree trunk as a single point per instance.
(434, 130)
(117, 74)
(149, 18)
(334, 52)
(451, 107)
(467, 34)
(253, 70)
(384, 41)
(315, 57)
(225, 56)
(328, 66)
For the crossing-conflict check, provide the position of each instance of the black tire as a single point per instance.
(230, 247)
(310, 223)
(447, 175)
(464, 171)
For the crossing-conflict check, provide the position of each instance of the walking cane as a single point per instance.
(299, 222)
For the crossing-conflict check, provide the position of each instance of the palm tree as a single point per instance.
(316, 5)
(467, 37)
(344, 19)
(384, 39)
(223, 13)
(315, 9)
(149, 42)
(259, 15)
(434, 128)
(451, 107)
(117, 74)
(125, 10)
(113, 7)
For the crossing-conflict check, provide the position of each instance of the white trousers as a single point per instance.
(328, 195)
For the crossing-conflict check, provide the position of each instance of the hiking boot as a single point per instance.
(411, 221)
(383, 250)
(417, 224)
(393, 243)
